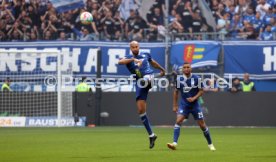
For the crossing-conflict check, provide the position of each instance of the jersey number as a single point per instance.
(200, 115)
(186, 89)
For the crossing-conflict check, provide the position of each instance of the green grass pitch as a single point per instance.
(128, 144)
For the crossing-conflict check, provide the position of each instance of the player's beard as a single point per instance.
(187, 73)
(135, 53)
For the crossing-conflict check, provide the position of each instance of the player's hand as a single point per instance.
(162, 73)
(138, 62)
(175, 108)
(190, 99)
(233, 89)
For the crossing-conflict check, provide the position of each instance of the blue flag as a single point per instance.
(199, 53)
(66, 5)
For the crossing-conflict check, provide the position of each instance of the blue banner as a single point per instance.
(66, 5)
(258, 58)
(199, 53)
(81, 57)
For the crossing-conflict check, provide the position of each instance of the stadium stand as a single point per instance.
(32, 20)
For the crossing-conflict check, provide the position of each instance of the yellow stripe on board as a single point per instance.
(199, 49)
(197, 56)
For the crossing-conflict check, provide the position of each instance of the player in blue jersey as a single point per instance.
(190, 88)
(139, 64)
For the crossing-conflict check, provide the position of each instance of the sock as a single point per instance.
(176, 133)
(146, 123)
(207, 135)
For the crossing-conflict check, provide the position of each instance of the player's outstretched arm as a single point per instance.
(175, 100)
(157, 66)
(129, 60)
(124, 61)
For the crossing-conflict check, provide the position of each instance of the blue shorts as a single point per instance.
(145, 83)
(195, 110)
(142, 93)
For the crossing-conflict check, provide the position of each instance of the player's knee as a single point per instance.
(203, 127)
(141, 111)
(201, 124)
(179, 121)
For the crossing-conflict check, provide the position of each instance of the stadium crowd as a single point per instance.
(32, 20)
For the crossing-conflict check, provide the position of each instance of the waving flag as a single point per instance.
(66, 5)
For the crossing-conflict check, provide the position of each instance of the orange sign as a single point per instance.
(188, 53)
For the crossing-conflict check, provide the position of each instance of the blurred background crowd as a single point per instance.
(32, 20)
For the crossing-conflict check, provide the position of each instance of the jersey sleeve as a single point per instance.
(149, 57)
(128, 57)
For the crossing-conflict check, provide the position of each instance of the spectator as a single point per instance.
(152, 33)
(176, 27)
(130, 23)
(249, 15)
(50, 32)
(33, 36)
(220, 11)
(62, 36)
(267, 34)
(108, 25)
(198, 22)
(241, 7)
(236, 26)
(156, 18)
(160, 4)
(118, 26)
(41, 13)
(211, 86)
(268, 16)
(156, 23)
(231, 11)
(3, 30)
(257, 23)
(172, 16)
(6, 86)
(96, 25)
(273, 24)
(187, 16)
(24, 20)
(248, 31)
(214, 8)
(83, 86)
(247, 84)
(236, 86)
(48, 36)
(262, 7)
(223, 24)
(15, 34)
(83, 35)
(136, 32)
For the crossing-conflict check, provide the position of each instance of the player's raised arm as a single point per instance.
(157, 66)
(175, 100)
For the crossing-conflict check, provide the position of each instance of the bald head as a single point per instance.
(134, 47)
(134, 43)
(246, 77)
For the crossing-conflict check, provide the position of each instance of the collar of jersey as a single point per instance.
(186, 77)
